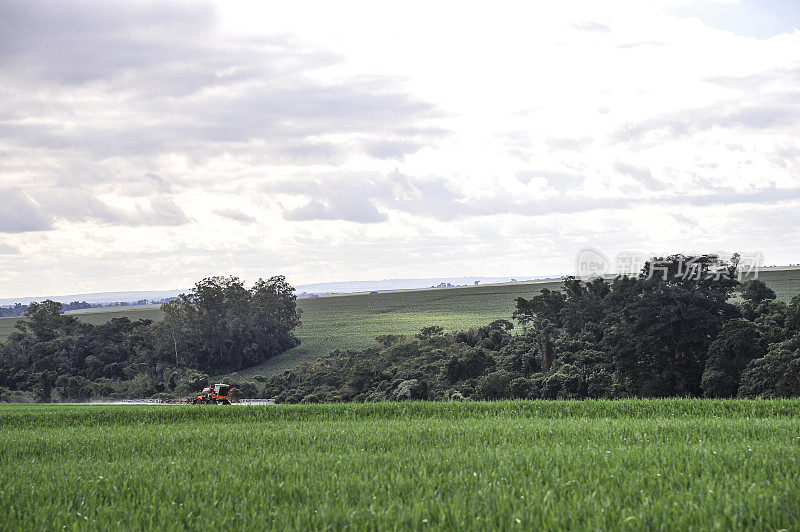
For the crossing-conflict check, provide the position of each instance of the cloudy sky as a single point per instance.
(147, 145)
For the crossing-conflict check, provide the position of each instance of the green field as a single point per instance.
(97, 316)
(353, 321)
(633, 464)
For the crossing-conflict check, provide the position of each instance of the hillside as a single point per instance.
(353, 321)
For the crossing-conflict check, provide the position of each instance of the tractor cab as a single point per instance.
(219, 394)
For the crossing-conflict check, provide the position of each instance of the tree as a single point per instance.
(495, 385)
(585, 303)
(775, 375)
(388, 340)
(544, 313)
(429, 333)
(793, 316)
(221, 325)
(738, 343)
(756, 296)
(44, 319)
(173, 326)
(661, 333)
(756, 292)
(545, 306)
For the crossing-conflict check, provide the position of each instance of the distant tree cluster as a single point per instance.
(220, 326)
(19, 309)
(223, 326)
(16, 310)
(697, 333)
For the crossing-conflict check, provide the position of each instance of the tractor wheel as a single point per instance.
(213, 401)
(225, 402)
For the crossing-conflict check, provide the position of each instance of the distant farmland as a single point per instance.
(353, 321)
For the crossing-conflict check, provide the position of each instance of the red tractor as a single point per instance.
(219, 394)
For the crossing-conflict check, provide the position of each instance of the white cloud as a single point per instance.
(415, 140)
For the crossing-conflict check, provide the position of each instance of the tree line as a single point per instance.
(18, 309)
(685, 327)
(219, 327)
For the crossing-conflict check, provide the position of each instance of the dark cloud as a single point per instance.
(161, 211)
(96, 80)
(366, 199)
(79, 204)
(357, 198)
(684, 219)
(47, 38)
(20, 213)
(349, 198)
(311, 152)
(642, 175)
(391, 149)
(235, 214)
(671, 126)
(156, 183)
(767, 100)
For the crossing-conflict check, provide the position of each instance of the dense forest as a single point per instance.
(685, 327)
(220, 326)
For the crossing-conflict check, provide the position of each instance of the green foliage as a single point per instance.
(220, 325)
(661, 334)
(775, 375)
(547, 306)
(388, 340)
(495, 385)
(353, 321)
(428, 333)
(739, 342)
(646, 337)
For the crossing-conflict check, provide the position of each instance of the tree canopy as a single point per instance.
(220, 326)
(675, 330)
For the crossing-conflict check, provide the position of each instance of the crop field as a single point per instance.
(633, 464)
(353, 321)
(97, 316)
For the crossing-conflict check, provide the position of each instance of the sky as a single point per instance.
(147, 145)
